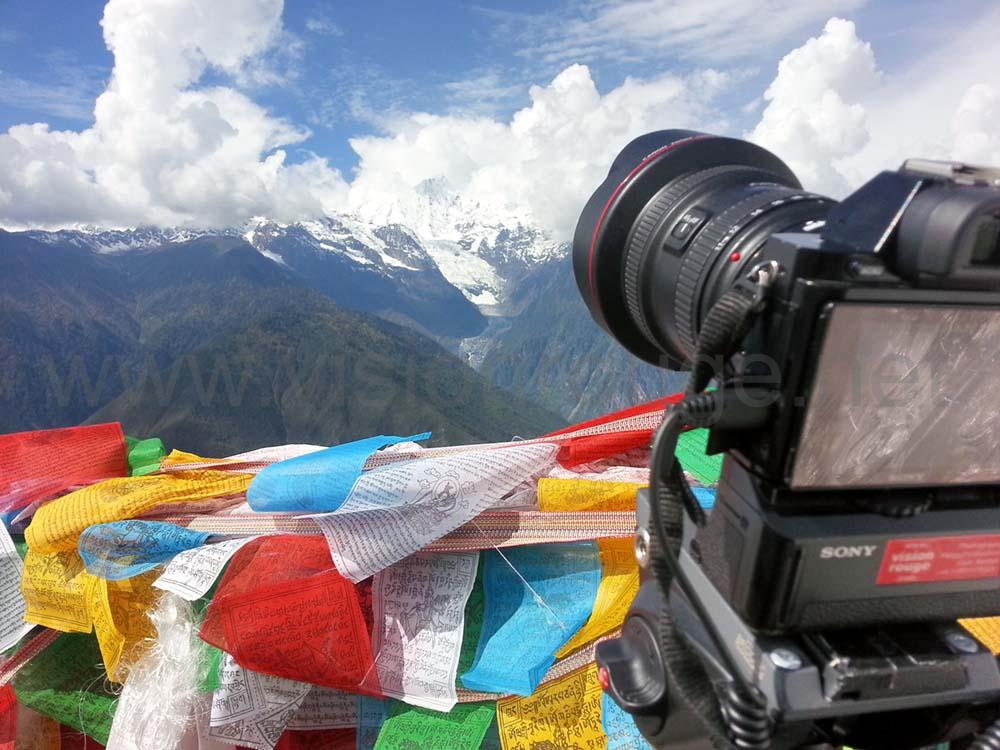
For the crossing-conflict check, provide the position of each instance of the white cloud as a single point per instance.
(830, 112)
(162, 149)
(713, 30)
(838, 120)
(167, 149)
(813, 115)
(545, 160)
(323, 25)
(919, 111)
(975, 126)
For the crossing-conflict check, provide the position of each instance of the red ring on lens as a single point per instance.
(621, 186)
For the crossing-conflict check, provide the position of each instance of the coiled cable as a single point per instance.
(988, 739)
(746, 718)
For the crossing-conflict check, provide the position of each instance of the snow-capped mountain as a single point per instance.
(479, 249)
(482, 252)
(388, 248)
(104, 240)
(486, 284)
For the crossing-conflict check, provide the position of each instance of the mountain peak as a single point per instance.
(482, 252)
(437, 189)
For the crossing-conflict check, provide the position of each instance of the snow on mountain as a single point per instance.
(471, 274)
(119, 240)
(436, 212)
(385, 248)
(482, 251)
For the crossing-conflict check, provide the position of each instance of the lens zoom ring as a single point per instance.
(638, 245)
(703, 250)
(634, 255)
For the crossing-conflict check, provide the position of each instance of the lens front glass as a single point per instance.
(903, 396)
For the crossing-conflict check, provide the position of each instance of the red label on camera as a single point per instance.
(945, 558)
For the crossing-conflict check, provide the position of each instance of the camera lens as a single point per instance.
(679, 218)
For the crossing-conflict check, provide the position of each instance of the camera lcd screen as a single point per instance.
(903, 395)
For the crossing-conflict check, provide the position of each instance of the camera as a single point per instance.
(843, 355)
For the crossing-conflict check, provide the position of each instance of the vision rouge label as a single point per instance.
(948, 558)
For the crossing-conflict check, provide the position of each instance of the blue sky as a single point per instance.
(342, 70)
(352, 56)
(357, 58)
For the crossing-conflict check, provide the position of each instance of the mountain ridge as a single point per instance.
(487, 285)
(217, 349)
(481, 252)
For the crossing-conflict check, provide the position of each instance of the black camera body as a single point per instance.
(869, 259)
(869, 497)
(786, 573)
(804, 537)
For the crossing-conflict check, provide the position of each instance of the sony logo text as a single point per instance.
(859, 550)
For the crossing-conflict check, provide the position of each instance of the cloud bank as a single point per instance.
(163, 150)
(168, 149)
(544, 161)
(836, 118)
(707, 30)
(814, 115)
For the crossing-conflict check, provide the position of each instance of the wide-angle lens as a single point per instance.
(680, 216)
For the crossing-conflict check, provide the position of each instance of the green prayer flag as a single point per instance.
(67, 683)
(212, 661)
(144, 455)
(691, 452)
(492, 739)
(210, 657)
(462, 728)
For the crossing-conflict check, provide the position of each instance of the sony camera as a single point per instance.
(844, 356)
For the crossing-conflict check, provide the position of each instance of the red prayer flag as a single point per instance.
(40, 464)
(8, 717)
(317, 739)
(616, 439)
(283, 609)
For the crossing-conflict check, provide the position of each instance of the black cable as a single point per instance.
(739, 717)
(683, 668)
(740, 713)
(746, 718)
(988, 739)
(725, 327)
(687, 673)
(667, 495)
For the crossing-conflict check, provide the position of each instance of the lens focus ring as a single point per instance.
(638, 245)
(706, 247)
(638, 248)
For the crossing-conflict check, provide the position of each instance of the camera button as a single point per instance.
(685, 228)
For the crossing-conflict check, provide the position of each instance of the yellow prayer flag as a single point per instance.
(57, 525)
(61, 594)
(562, 495)
(56, 590)
(183, 457)
(120, 610)
(564, 714)
(619, 585)
(986, 629)
(111, 641)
